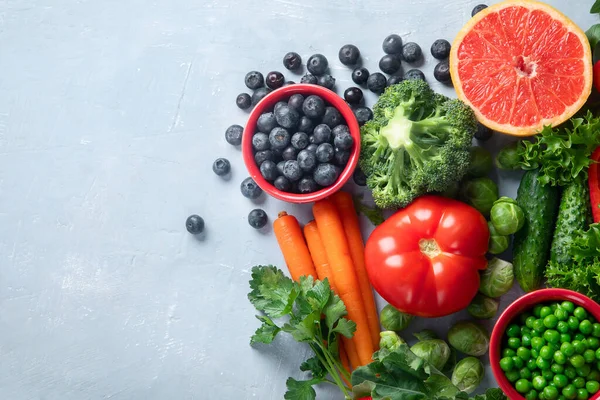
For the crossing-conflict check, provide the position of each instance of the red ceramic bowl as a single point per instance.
(517, 308)
(267, 104)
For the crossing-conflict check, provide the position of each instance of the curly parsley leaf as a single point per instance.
(587, 245)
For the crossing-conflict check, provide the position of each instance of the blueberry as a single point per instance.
(274, 80)
(266, 122)
(317, 64)
(414, 74)
(243, 101)
(394, 79)
(279, 104)
(390, 64)
(279, 138)
(440, 49)
(326, 174)
(360, 75)
(292, 61)
(477, 9)
(259, 94)
(268, 170)
(282, 183)
(309, 78)
(327, 81)
(376, 82)
(340, 130)
(254, 80)
(250, 189)
(280, 167)
(349, 54)
(307, 185)
(257, 218)
(483, 132)
(392, 44)
(325, 152)
(260, 141)
(221, 166)
(194, 224)
(305, 125)
(353, 95)
(363, 115)
(359, 177)
(295, 101)
(300, 140)
(233, 135)
(263, 155)
(441, 72)
(292, 170)
(332, 117)
(341, 157)
(307, 160)
(411, 52)
(287, 117)
(342, 139)
(312, 148)
(313, 107)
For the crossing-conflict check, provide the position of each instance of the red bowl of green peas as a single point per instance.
(546, 345)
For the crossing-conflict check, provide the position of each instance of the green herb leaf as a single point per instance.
(300, 390)
(334, 310)
(345, 327)
(595, 7)
(272, 292)
(318, 295)
(581, 277)
(266, 332)
(305, 330)
(491, 394)
(374, 214)
(586, 246)
(315, 367)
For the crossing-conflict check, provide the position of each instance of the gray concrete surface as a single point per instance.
(111, 113)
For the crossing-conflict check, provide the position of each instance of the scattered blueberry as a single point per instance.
(279, 138)
(266, 122)
(312, 148)
(322, 134)
(359, 177)
(414, 74)
(440, 49)
(307, 160)
(390, 64)
(305, 125)
(295, 101)
(259, 94)
(274, 80)
(263, 155)
(257, 218)
(360, 75)
(233, 135)
(250, 189)
(307, 185)
(309, 78)
(280, 167)
(349, 54)
(194, 224)
(326, 174)
(394, 79)
(279, 104)
(332, 117)
(282, 183)
(342, 139)
(254, 80)
(243, 101)
(313, 107)
(292, 61)
(441, 72)
(317, 64)
(221, 166)
(300, 140)
(392, 44)
(287, 117)
(353, 95)
(292, 170)
(268, 170)
(376, 82)
(327, 81)
(411, 52)
(483, 132)
(341, 157)
(325, 152)
(363, 115)
(477, 9)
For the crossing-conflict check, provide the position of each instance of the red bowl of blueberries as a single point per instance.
(301, 143)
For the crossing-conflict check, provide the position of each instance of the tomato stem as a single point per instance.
(429, 247)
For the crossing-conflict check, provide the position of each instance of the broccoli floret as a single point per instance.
(417, 142)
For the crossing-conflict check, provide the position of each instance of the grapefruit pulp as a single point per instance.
(521, 65)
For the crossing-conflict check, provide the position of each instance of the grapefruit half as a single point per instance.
(521, 65)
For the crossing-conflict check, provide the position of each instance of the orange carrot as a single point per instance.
(291, 242)
(334, 240)
(345, 363)
(345, 206)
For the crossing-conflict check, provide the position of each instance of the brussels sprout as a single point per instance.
(497, 279)
(481, 162)
(426, 334)
(468, 374)
(506, 216)
(498, 243)
(469, 338)
(394, 320)
(390, 340)
(483, 307)
(481, 193)
(436, 351)
(509, 158)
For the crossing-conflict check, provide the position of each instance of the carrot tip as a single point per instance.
(282, 214)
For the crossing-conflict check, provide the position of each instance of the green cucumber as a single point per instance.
(531, 246)
(573, 215)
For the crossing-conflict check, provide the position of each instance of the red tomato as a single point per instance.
(597, 75)
(425, 259)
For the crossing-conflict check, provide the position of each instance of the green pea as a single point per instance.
(579, 382)
(562, 327)
(584, 370)
(559, 357)
(531, 395)
(570, 372)
(543, 364)
(507, 364)
(573, 323)
(508, 353)
(530, 364)
(579, 346)
(523, 386)
(548, 376)
(561, 397)
(557, 368)
(529, 322)
(579, 336)
(525, 373)
(577, 361)
(594, 375)
(592, 386)
(593, 343)
(551, 321)
(525, 330)
(545, 311)
(552, 336)
(518, 362)
(526, 340)
(512, 376)
(513, 330)
(523, 353)
(567, 349)
(568, 306)
(546, 353)
(565, 337)
(589, 356)
(596, 330)
(554, 306)
(560, 381)
(598, 354)
(550, 393)
(580, 313)
(523, 317)
(537, 343)
(570, 391)
(539, 383)
(538, 325)
(514, 343)
(537, 310)
(586, 327)
(561, 314)
(535, 353)
(582, 394)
